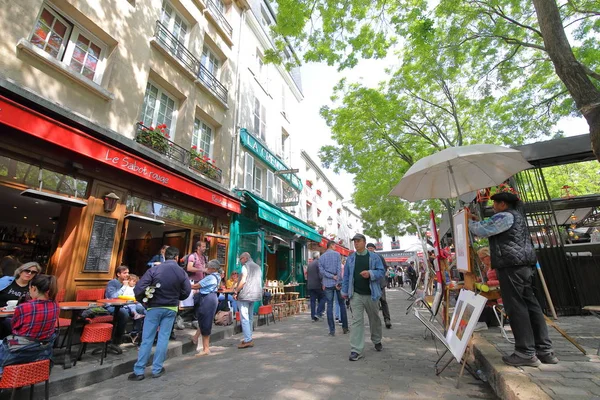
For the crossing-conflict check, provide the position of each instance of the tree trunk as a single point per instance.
(569, 70)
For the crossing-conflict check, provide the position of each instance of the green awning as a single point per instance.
(274, 215)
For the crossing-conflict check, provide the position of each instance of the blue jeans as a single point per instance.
(162, 318)
(316, 309)
(246, 314)
(336, 305)
(34, 351)
(329, 294)
(230, 298)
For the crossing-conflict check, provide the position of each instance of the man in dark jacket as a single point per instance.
(315, 289)
(385, 308)
(160, 289)
(513, 256)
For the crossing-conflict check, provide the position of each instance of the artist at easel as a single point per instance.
(513, 256)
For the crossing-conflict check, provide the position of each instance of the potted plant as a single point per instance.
(312, 223)
(321, 230)
(155, 138)
(200, 162)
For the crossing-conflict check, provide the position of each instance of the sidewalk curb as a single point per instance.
(86, 375)
(509, 383)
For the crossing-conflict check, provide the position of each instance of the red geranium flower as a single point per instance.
(167, 136)
(194, 147)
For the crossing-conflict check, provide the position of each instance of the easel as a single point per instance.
(435, 332)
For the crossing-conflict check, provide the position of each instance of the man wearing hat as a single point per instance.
(360, 285)
(513, 256)
(385, 309)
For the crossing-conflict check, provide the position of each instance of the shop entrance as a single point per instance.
(144, 240)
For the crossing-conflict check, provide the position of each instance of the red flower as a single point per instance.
(151, 128)
(197, 159)
(141, 122)
(167, 136)
(194, 147)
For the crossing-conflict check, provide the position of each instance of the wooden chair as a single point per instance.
(21, 375)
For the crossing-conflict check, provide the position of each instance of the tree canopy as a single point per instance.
(477, 71)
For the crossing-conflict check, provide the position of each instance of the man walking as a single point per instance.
(330, 268)
(385, 309)
(361, 284)
(513, 257)
(246, 292)
(313, 284)
(170, 284)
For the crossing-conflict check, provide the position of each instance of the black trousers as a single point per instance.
(385, 309)
(524, 312)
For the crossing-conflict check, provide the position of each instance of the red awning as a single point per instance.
(339, 248)
(36, 124)
(396, 259)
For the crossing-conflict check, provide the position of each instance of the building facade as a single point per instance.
(118, 125)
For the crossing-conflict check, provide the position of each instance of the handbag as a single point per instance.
(223, 318)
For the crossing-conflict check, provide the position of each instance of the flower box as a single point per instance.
(155, 138)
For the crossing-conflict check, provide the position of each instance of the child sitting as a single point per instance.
(136, 311)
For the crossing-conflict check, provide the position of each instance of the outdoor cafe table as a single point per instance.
(117, 304)
(76, 308)
(6, 314)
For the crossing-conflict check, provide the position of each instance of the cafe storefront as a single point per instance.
(276, 240)
(81, 204)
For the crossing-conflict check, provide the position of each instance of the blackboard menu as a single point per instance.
(221, 253)
(101, 244)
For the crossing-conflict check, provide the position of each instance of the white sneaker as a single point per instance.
(481, 326)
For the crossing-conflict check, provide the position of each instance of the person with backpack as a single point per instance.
(205, 305)
(195, 263)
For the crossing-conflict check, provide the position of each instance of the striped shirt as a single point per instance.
(330, 265)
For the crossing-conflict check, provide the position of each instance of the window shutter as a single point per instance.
(249, 173)
(271, 196)
(278, 191)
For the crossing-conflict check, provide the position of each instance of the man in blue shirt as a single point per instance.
(513, 256)
(330, 268)
(361, 284)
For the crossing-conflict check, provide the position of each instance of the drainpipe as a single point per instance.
(235, 140)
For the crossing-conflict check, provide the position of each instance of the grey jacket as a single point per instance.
(313, 277)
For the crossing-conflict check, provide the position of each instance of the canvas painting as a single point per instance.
(461, 241)
(468, 310)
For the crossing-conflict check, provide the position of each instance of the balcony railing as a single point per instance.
(180, 52)
(212, 83)
(176, 48)
(220, 17)
(157, 141)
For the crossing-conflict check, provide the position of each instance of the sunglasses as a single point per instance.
(30, 271)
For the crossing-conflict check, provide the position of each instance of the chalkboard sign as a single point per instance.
(101, 244)
(222, 253)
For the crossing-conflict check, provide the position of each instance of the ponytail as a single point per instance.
(46, 284)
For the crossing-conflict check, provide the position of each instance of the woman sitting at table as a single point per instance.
(205, 304)
(16, 288)
(33, 325)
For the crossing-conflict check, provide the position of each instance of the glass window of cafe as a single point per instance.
(28, 225)
(145, 237)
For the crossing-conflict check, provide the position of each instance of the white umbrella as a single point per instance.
(459, 170)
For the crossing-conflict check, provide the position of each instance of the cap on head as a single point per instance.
(371, 245)
(359, 236)
(506, 197)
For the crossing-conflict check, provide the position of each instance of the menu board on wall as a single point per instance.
(101, 244)
(222, 253)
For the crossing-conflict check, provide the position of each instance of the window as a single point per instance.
(264, 17)
(158, 108)
(253, 176)
(258, 173)
(260, 125)
(80, 51)
(173, 22)
(210, 61)
(271, 196)
(202, 137)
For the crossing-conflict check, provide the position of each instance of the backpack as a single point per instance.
(223, 318)
(184, 262)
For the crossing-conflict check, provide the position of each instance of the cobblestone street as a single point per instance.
(295, 359)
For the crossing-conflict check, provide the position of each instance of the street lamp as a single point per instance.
(329, 220)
